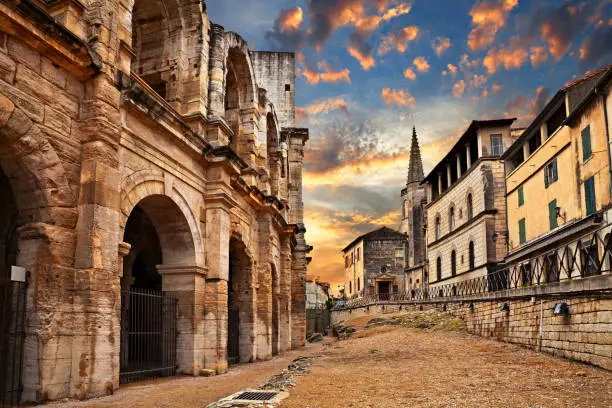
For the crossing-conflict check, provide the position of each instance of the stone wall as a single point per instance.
(584, 335)
(379, 261)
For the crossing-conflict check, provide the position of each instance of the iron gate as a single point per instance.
(148, 335)
(12, 337)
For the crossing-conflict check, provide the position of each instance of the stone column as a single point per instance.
(216, 85)
(264, 288)
(284, 336)
(122, 349)
(468, 153)
(458, 165)
(448, 175)
(187, 284)
(439, 183)
(247, 140)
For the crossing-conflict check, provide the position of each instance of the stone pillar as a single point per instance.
(468, 153)
(187, 284)
(216, 85)
(458, 165)
(247, 140)
(439, 183)
(126, 283)
(448, 175)
(525, 151)
(285, 295)
(264, 288)
(218, 202)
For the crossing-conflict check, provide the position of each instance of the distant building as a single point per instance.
(466, 210)
(317, 293)
(374, 264)
(558, 179)
(413, 219)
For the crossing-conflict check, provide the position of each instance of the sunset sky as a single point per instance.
(368, 70)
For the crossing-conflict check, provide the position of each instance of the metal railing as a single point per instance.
(584, 257)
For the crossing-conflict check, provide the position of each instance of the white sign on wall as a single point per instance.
(18, 273)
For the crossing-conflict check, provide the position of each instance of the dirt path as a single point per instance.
(189, 392)
(401, 367)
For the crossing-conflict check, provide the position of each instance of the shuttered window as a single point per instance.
(521, 196)
(586, 143)
(589, 196)
(552, 214)
(522, 232)
(550, 173)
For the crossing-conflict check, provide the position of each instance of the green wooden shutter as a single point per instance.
(521, 196)
(589, 195)
(554, 169)
(522, 232)
(586, 143)
(552, 214)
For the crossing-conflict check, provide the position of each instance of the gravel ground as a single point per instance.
(405, 367)
(187, 392)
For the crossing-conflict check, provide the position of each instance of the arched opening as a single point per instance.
(437, 227)
(275, 309)
(471, 255)
(159, 236)
(451, 219)
(453, 263)
(439, 268)
(239, 94)
(240, 307)
(151, 35)
(12, 299)
(232, 102)
(470, 208)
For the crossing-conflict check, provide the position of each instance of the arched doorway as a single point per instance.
(240, 305)
(12, 300)
(158, 235)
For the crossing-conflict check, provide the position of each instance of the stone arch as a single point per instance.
(34, 170)
(137, 188)
(158, 31)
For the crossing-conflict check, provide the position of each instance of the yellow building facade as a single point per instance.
(558, 171)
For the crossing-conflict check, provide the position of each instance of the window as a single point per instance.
(437, 227)
(350, 287)
(358, 284)
(287, 87)
(358, 254)
(472, 256)
(550, 173)
(586, 143)
(589, 196)
(534, 143)
(589, 254)
(453, 263)
(521, 196)
(470, 208)
(439, 268)
(399, 256)
(352, 259)
(346, 261)
(552, 268)
(497, 147)
(552, 214)
(451, 219)
(522, 231)
(555, 120)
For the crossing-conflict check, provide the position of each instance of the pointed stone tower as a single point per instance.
(413, 200)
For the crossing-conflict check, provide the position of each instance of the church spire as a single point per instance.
(415, 169)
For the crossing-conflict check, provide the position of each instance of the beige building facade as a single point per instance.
(466, 214)
(146, 150)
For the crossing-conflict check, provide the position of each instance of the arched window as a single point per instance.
(451, 219)
(438, 227)
(439, 268)
(471, 255)
(453, 263)
(351, 287)
(470, 208)
(358, 284)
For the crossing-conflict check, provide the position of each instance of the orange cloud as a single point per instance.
(466, 64)
(409, 73)
(478, 81)
(421, 64)
(398, 41)
(538, 55)
(452, 69)
(488, 17)
(440, 45)
(495, 88)
(512, 56)
(366, 60)
(459, 89)
(397, 97)
(325, 106)
(291, 20)
(327, 74)
(557, 44)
